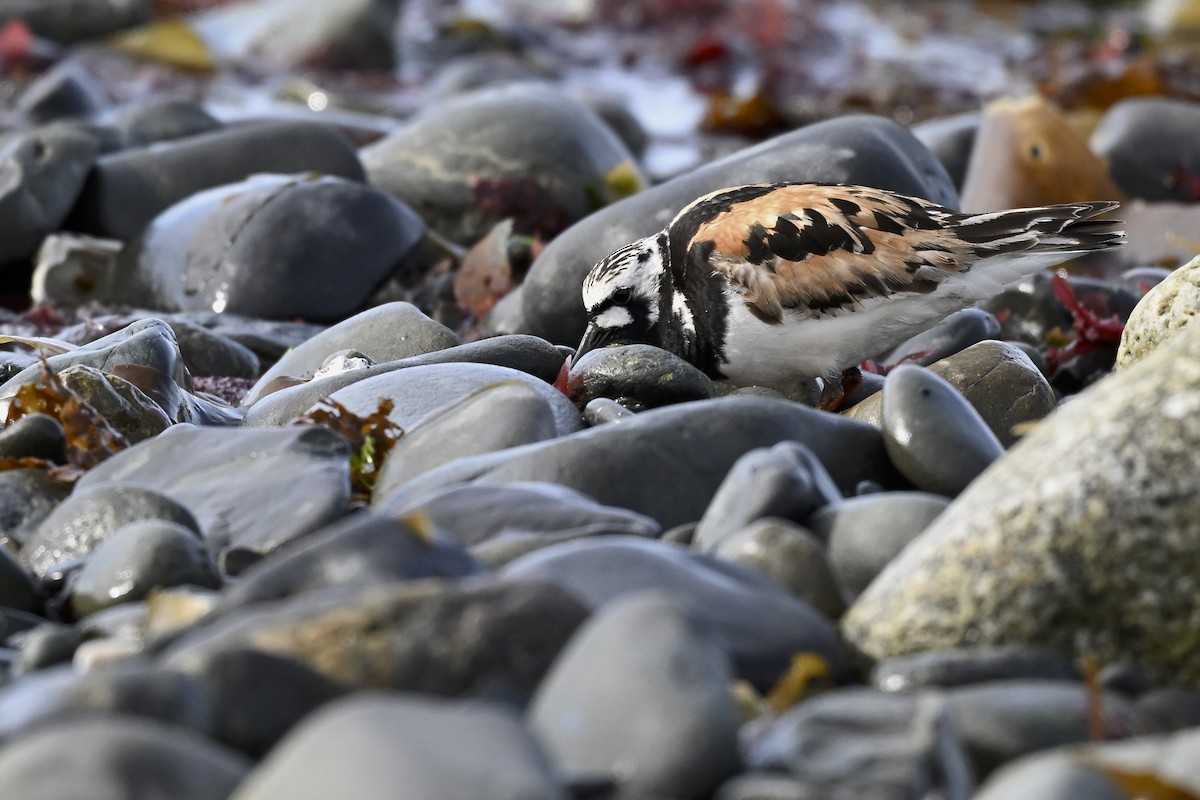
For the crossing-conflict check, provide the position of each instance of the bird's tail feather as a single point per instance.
(1069, 227)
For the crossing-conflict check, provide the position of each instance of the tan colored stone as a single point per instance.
(1164, 311)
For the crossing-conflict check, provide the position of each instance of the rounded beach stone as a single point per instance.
(624, 665)
(273, 246)
(1094, 508)
(1058, 775)
(376, 745)
(44, 173)
(791, 555)
(86, 519)
(786, 481)
(385, 333)
(933, 435)
(137, 559)
(1147, 141)
(865, 533)
(1161, 313)
(527, 151)
(129, 188)
(637, 376)
(171, 763)
(34, 436)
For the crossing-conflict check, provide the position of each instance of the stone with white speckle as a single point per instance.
(1162, 312)
(1084, 539)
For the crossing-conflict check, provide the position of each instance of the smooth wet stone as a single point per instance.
(864, 743)
(385, 333)
(206, 352)
(377, 745)
(1148, 142)
(44, 646)
(933, 435)
(17, 589)
(1057, 775)
(501, 522)
(127, 189)
(602, 410)
(793, 556)
(998, 379)
(1161, 313)
(951, 140)
(955, 333)
(34, 436)
(482, 637)
(1000, 721)
(65, 91)
(134, 689)
(853, 149)
(27, 496)
(257, 697)
(273, 246)
(116, 758)
(970, 665)
(69, 21)
(44, 172)
(356, 551)
(126, 407)
(526, 151)
(786, 481)
(865, 533)
(527, 354)
(12, 362)
(489, 419)
(637, 376)
(86, 519)
(147, 343)
(420, 391)
(758, 623)
(668, 463)
(138, 559)
(161, 120)
(626, 664)
(250, 489)
(1108, 479)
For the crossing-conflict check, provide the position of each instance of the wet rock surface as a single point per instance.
(305, 493)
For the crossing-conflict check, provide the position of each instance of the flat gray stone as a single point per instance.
(253, 489)
(667, 463)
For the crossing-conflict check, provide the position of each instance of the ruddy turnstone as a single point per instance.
(769, 284)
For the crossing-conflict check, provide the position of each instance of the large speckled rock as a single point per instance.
(1161, 313)
(1085, 537)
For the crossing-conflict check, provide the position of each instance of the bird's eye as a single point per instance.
(622, 296)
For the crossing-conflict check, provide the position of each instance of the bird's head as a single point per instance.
(623, 294)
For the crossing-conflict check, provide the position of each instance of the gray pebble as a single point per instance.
(137, 559)
(933, 435)
(624, 665)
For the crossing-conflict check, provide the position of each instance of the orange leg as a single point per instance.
(835, 390)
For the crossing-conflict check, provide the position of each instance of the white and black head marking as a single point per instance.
(623, 294)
